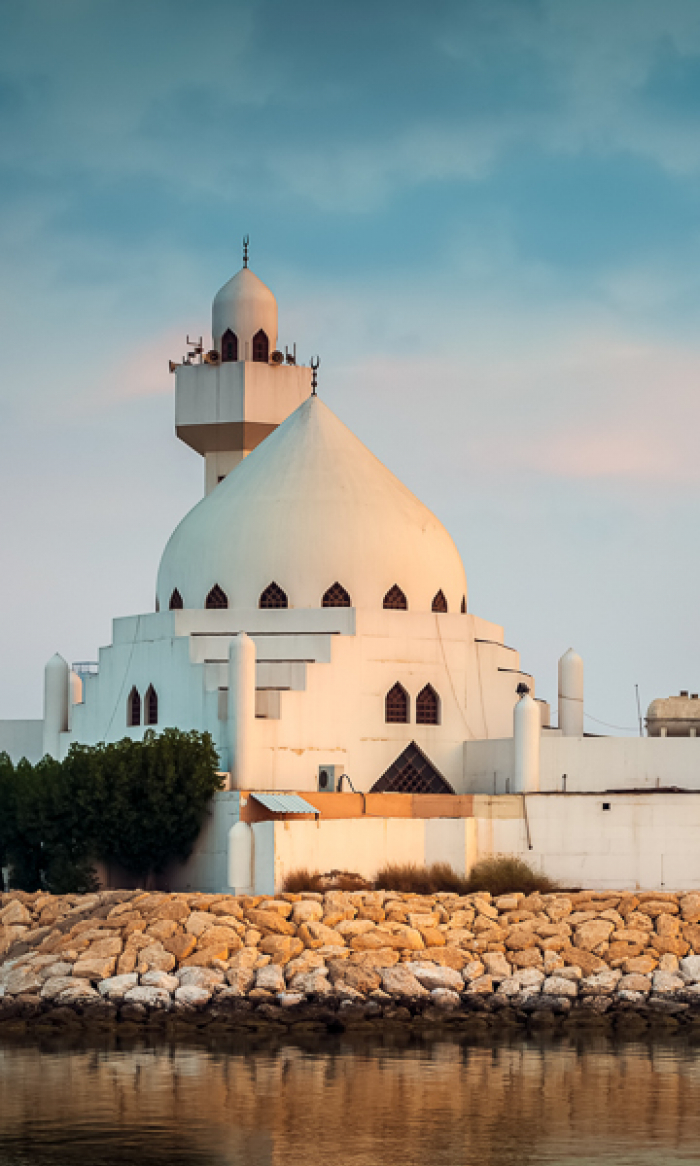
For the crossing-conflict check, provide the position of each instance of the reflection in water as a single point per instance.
(358, 1104)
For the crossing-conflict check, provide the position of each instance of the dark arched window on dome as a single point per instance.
(395, 600)
(157, 604)
(439, 602)
(396, 706)
(216, 598)
(428, 706)
(261, 347)
(274, 596)
(133, 708)
(229, 347)
(463, 608)
(176, 603)
(336, 596)
(150, 706)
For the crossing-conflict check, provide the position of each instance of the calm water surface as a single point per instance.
(354, 1103)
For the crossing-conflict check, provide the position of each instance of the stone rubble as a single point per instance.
(349, 959)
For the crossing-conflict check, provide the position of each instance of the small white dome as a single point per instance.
(245, 305)
(311, 507)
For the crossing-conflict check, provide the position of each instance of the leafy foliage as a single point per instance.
(134, 804)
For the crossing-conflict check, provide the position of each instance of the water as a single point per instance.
(339, 1103)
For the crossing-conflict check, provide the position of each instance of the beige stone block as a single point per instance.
(668, 925)
(270, 922)
(15, 913)
(181, 945)
(307, 911)
(690, 908)
(590, 935)
(531, 957)
(640, 965)
(155, 958)
(282, 948)
(162, 929)
(521, 938)
(92, 967)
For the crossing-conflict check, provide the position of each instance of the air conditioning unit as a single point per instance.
(328, 776)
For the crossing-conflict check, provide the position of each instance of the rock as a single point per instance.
(240, 980)
(520, 938)
(599, 984)
(105, 947)
(116, 987)
(77, 992)
(445, 999)
(270, 978)
(585, 960)
(282, 948)
(669, 943)
(509, 987)
(162, 929)
(402, 937)
(349, 927)
(290, 999)
(529, 977)
(207, 978)
(23, 979)
(155, 959)
(532, 957)
(481, 986)
(665, 982)
(272, 923)
(668, 925)
(496, 965)
(641, 965)
(472, 971)
(669, 963)
(307, 962)
(318, 935)
(181, 946)
(691, 933)
(634, 935)
(61, 968)
(10, 935)
(247, 957)
(199, 922)
(690, 908)
(314, 983)
(690, 968)
(399, 981)
(15, 913)
(306, 912)
(551, 962)
(590, 935)
(207, 956)
(160, 980)
(361, 979)
(634, 983)
(383, 957)
(659, 906)
(157, 999)
(448, 957)
(558, 909)
(508, 902)
(191, 998)
(432, 976)
(559, 986)
(176, 909)
(220, 936)
(629, 996)
(90, 967)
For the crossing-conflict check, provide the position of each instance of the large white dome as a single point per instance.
(311, 506)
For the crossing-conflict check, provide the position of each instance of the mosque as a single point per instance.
(312, 615)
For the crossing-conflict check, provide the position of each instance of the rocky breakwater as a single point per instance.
(348, 959)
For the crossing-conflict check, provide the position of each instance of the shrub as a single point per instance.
(420, 880)
(504, 873)
(298, 881)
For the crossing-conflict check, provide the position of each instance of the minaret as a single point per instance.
(229, 399)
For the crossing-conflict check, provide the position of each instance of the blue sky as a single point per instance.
(485, 217)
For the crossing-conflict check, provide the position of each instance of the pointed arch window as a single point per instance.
(229, 347)
(157, 604)
(336, 596)
(395, 600)
(428, 706)
(274, 596)
(396, 706)
(261, 347)
(150, 706)
(176, 603)
(440, 603)
(216, 598)
(463, 608)
(133, 708)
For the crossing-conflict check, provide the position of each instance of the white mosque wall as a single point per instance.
(587, 764)
(22, 738)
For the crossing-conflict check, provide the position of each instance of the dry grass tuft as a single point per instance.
(504, 874)
(335, 880)
(410, 879)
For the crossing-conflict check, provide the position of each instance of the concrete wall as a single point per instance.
(207, 867)
(22, 739)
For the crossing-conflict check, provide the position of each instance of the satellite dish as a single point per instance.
(211, 357)
(277, 357)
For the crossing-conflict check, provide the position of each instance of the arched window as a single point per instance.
(336, 596)
(157, 604)
(428, 706)
(395, 600)
(150, 706)
(229, 347)
(176, 603)
(216, 597)
(261, 347)
(273, 596)
(396, 706)
(133, 708)
(439, 602)
(463, 608)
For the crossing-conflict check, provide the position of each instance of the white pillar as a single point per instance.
(571, 694)
(526, 745)
(241, 708)
(56, 703)
(240, 858)
(76, 695)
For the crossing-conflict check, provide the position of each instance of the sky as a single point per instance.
(482, 215)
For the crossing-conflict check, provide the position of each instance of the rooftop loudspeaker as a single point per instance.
(211, 357)
(276, 357)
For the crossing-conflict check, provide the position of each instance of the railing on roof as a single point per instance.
(86, 667)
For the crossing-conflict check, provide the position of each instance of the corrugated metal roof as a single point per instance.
(285, 803)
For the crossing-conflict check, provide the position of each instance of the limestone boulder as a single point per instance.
(315, 935)
(666, 983)
(281, 906)
(640, 965)
(690, 968)
(272, 923)
(508, 902)
(155, 958)
(474, 970)
(520, 938)
(364, 980)
(115, 987)
(447, 957)
(432, 936)
(668, 925)
(349, 927)
(163, 980)
(290, 999)
(672, 944)
(559, 986)
(209, 978)
(240, 980)
(281, 948)
(532, 957)
(590, 935)
(154, 999)
(496, 965)
(634, 983)
(445, 999)
(690, 908)
(383, 957)
(633, 935)
(199, 922)
(433, 976)
(585, 960)
(180, 946)
(91, 967)
(600, 984)
(15, 913)
(307, 911)
(247, 957)
(271, 978)
(191, 998)
(23, 979)
(691, 933)
(314, 983)
(162, 929)
(228, 908)
(558, 908)
(176, 909)
(480, 986)
(56, 968)
(105, 947)
(79, 992)
(399, 981)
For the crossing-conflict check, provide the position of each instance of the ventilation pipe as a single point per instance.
(526, 743)
(56, 704)
(241, 708)
(240, 858)
(571, 694)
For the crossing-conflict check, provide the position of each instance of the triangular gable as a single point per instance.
(412, 773)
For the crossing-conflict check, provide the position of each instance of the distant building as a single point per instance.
(674, 716)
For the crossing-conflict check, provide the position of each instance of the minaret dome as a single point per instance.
(244, 319)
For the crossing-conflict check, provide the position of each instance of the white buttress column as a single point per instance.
(241, 708)
(56, 703)
(240, 858)
(571, 694)
(527, 730)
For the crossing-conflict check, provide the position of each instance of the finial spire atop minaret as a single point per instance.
(246, 241)
(314, 374)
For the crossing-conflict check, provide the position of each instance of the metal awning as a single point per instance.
(285, 803)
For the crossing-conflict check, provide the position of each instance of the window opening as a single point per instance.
(133, 708)
(395, 600)
(229, 347)
(216, 597)
(151, 706)
(439, 602)
(336, 596)
(428, 706)
(261, 347)
(274, 596)
(463, 608)
(396, 706)
(176, 603)
(412, 773)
